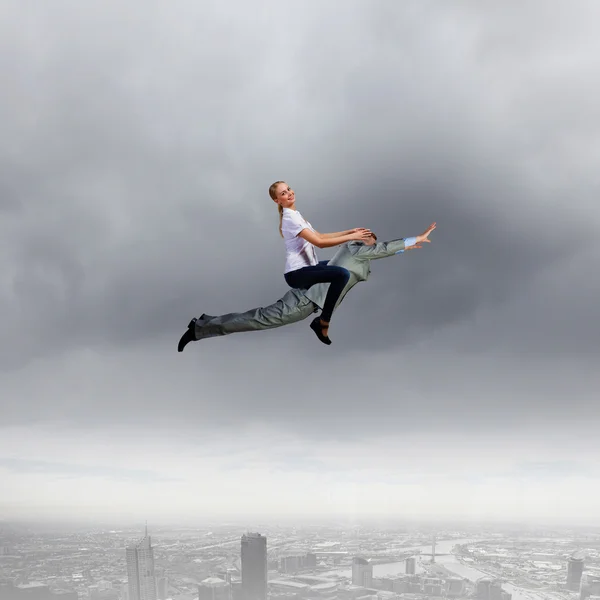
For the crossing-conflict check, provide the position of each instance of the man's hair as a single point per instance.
(363, 241)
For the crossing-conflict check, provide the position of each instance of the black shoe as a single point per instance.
(188, 336)
(318, 329)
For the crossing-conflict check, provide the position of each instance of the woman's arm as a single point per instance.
(327, 240)
(337, 233)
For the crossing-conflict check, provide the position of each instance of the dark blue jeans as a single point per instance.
(337, 277)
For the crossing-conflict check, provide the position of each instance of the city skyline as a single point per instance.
(330, 562)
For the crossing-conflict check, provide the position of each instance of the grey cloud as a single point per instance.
(283, 382)
(139, 148)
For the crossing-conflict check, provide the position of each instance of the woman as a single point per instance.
(302, 269)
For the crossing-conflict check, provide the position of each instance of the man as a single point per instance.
(298, 304)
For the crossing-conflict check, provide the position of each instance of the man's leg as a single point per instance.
(293, 307)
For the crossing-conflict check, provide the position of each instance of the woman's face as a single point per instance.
(285, 195)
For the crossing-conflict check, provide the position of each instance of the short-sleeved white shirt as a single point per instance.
(299, 252)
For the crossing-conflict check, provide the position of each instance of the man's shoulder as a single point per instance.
(354, 246)
(350, 246)
(347, 251)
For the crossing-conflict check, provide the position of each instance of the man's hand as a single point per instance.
(424, 237)
(413, 247)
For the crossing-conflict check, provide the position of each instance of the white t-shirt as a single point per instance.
(299, 252)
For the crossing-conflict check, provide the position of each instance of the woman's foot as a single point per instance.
(321, 328)
(324, 327)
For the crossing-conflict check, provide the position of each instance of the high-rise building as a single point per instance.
(141, 576)
(410, 565)
(162, 588)
(254, 566)
(214, 588)
(310, 561)
(483, 588)
(491, 589)
(225, 573)
(291, 563)
(590, 586)
(574, 572)
(455, 586)
(362, 572)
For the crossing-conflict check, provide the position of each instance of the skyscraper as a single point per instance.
(590, 586)
(574, 572)
(214, 588)
(162, 586)
(140, 570)
(254, 566)
(362, 572)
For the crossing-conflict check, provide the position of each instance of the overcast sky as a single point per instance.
(138, 144)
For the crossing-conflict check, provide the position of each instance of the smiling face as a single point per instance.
(284, 195)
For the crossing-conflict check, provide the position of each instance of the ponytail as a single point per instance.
(280, 209)
(273, 194)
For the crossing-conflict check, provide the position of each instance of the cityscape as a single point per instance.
(225, 562)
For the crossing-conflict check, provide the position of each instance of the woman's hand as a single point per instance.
(360, 233)
(360, 230)
(424, 237)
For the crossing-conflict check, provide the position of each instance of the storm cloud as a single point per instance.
(138, 143)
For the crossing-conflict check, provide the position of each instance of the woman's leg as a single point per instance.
(337, 277)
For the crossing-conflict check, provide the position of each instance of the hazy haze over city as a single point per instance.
(138, 143)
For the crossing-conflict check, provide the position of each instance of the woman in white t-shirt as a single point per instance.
(302, 269)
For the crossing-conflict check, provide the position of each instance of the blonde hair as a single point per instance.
(273, 194)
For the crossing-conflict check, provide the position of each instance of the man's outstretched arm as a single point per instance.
(383, 249)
